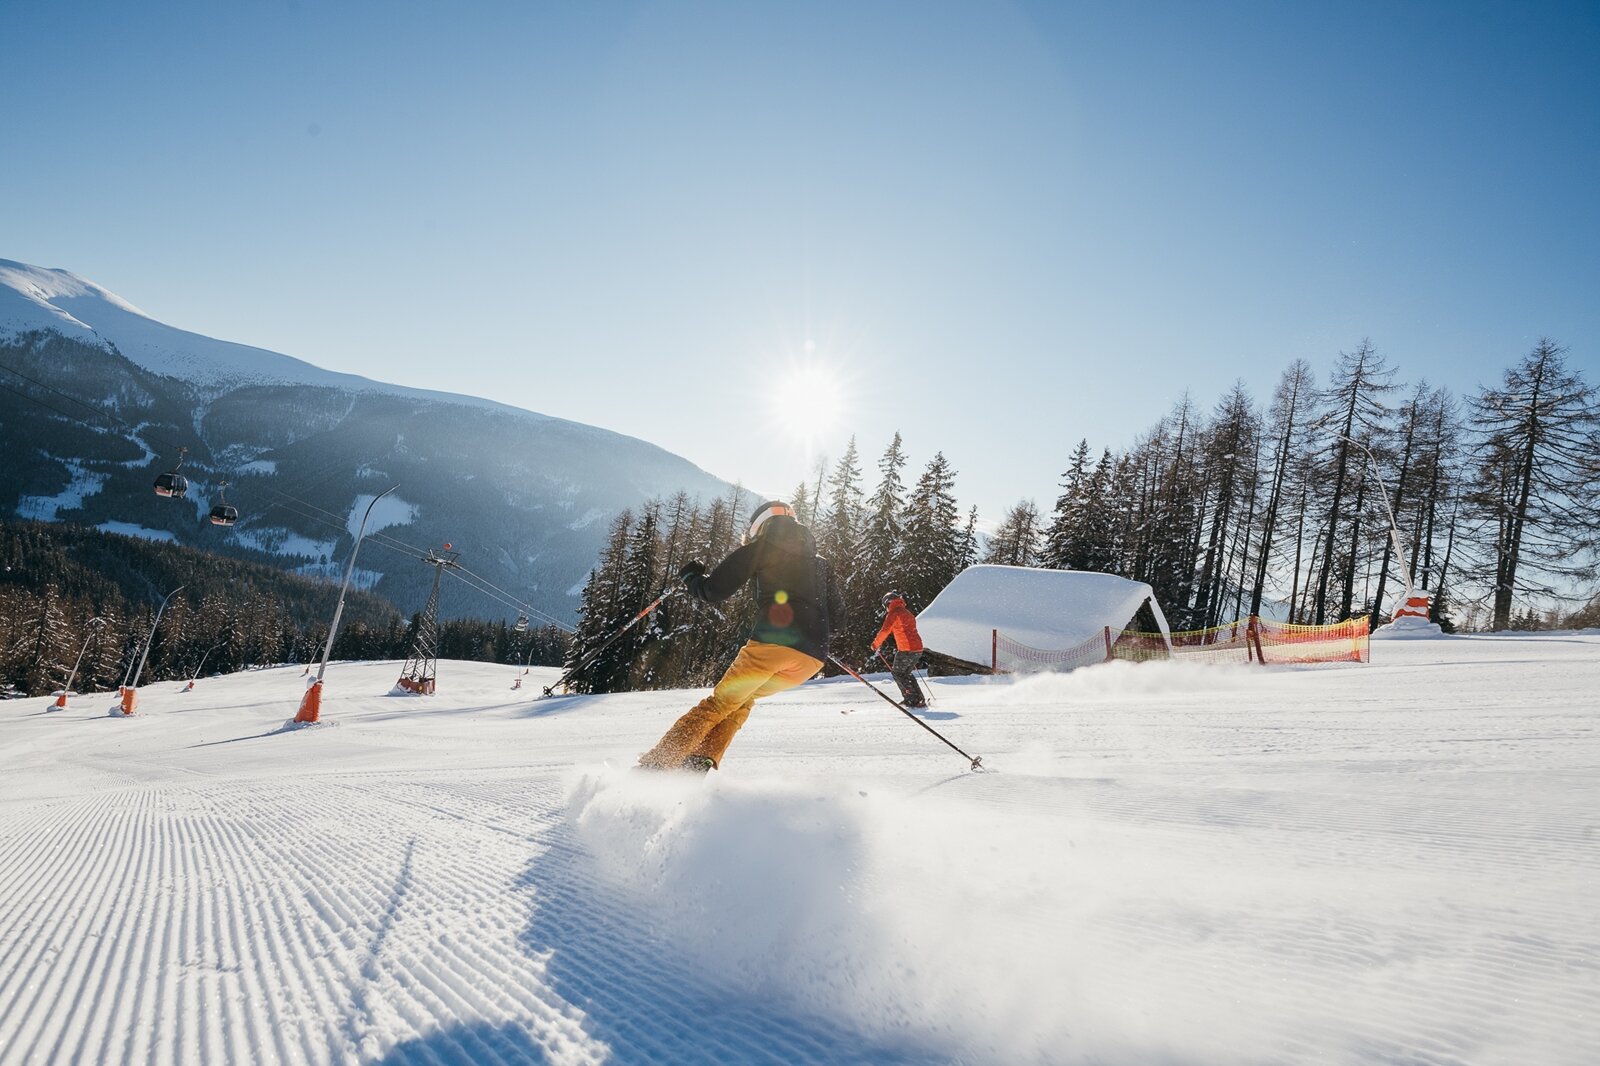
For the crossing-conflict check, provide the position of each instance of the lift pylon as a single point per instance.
(423, 667)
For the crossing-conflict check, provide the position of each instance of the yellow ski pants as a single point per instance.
(758, 670)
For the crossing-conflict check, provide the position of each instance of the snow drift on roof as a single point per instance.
(1046, 609)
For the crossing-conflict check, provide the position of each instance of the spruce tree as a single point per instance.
(932, 546)
(1068, 533)
(882, 537)
(1016, 539)
(967, 543)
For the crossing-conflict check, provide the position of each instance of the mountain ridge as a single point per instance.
(527, 495)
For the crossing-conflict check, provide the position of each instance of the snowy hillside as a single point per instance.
(34, 298)
(99, 397)
(1172, 864)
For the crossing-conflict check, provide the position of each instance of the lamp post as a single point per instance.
(311, 703)
(130, 689)
(66, 690)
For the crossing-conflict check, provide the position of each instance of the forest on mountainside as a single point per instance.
(69, 593)
(1279, 510)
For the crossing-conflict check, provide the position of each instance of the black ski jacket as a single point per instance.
(798, 603)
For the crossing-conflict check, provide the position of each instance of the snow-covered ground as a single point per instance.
(1172, 864)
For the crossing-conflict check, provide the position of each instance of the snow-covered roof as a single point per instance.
(1051, 610)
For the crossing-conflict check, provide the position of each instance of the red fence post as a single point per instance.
(1108, 643)
(994, 651)
(1253, 633)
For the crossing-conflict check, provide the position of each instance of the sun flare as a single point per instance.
(809, 401)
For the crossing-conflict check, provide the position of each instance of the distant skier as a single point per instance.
(798, 607)
(902, 624)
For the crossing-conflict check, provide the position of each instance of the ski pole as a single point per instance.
(583, 664)
(976, 760)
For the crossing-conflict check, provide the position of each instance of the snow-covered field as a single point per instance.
(1171, 864)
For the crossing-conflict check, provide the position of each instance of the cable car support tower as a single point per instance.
(423, 666)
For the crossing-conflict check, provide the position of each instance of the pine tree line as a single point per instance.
(1240, 509)
(71, 595)
(1247, 511)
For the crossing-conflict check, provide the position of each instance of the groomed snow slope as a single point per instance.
(1175, 864)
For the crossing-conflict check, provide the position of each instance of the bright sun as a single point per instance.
(809, 401)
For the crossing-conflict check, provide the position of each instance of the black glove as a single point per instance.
(691, 569)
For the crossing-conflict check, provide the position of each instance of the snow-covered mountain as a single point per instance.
(525, 497)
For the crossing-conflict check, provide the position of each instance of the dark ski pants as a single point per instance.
(758, 670)
(902, 670)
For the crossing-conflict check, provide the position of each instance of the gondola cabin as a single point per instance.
(172, 484)
(223, 513)
(522, 623)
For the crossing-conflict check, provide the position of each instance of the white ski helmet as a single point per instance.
(759, 517)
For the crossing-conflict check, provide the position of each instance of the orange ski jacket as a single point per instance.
(903, 624)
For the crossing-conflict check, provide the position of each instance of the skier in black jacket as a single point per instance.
(798, 607)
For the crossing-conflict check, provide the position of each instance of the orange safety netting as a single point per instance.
(1341, 642)
(1228, 643)
(1245, 640)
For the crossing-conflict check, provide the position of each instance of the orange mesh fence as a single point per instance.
(1245, 640)
(1342, 642)
(1228, 643)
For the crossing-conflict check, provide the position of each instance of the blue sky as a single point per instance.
(994, 227)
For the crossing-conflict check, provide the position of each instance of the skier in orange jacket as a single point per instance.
(899, 622)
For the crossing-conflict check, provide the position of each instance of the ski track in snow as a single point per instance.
(1174, 864)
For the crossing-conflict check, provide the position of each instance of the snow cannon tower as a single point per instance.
(422, 668)
(1416, 606)
(1411, 618)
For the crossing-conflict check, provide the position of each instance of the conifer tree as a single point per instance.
(881, 539)
(1229, 481)
(967, 544)
(1538, 472)
(1069, 531)
(839, 525)
(1287, 418)
(1356, 410)
(601, 612)
(932, 545)
(1016, 539)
